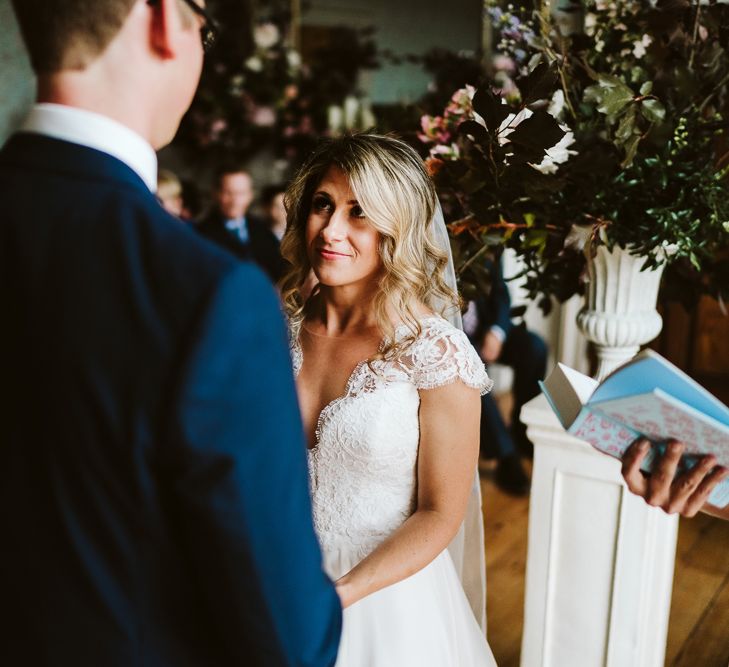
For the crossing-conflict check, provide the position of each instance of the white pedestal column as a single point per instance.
(600, 561)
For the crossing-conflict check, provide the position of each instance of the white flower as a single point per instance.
(294, 59)
(557, 154)
(254, 63)
(556, 104)
(442, 151)
(668, 250)
(335, 118)
(266, 35)
(639, 47)
(590, 23)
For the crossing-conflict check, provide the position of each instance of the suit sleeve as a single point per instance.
(499, 300)
(241, 485)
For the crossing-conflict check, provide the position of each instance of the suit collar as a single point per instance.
(41, 153)
(94, 130)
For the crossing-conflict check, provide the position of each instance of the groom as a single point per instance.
(154, 507)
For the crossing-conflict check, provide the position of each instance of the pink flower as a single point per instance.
(503, 63)
(263, 116)
(217, 127)
(306, 126)
(435, 129)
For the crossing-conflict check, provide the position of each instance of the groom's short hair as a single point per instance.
(69, 34)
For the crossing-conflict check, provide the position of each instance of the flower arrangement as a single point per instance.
(256, 93)
(494, 164)
(636, 155)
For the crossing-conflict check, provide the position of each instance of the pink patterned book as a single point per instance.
(647, 396)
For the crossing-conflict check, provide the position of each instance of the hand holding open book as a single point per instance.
(647, 397)
(671, 486)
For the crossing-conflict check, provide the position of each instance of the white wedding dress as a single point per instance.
(363, 484)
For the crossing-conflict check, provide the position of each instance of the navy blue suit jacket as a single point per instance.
(263, 247)
(154, 507)
(495, 307)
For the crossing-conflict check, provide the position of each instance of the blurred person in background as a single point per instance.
(487, 321)
(169, 192)
(272, 200)
(231, 226)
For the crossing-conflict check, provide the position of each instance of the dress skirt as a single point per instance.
(422, 621)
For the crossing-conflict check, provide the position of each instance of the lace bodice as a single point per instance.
(362, 469)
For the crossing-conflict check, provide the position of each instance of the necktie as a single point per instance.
(239, 228)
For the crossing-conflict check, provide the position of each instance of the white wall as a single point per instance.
(17, 83)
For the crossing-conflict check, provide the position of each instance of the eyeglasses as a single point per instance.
(209, 30)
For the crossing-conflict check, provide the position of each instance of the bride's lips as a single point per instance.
(331, 254)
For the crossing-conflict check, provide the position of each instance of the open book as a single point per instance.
(647, 396)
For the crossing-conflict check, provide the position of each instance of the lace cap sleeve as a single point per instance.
(297, 357)
(443, 354)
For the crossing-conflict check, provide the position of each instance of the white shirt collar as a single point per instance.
(95, 131)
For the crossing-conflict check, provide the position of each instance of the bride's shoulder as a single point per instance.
(440, 354)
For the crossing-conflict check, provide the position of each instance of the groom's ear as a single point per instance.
(166, 27)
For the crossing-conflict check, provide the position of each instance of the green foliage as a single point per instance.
(643, 90)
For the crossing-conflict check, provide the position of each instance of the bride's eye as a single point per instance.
(357, 211)
(321, 204)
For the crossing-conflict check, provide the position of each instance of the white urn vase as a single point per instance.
(620, 311)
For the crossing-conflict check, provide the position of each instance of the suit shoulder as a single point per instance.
(180, 244)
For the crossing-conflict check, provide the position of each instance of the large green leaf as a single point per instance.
(614, 100)
(490, 107)
(653, 110)
(610, 94)
(539, 84)
(476, 130)
(537, 133)
(627, 127)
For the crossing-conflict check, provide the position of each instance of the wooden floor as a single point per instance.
(698, 635)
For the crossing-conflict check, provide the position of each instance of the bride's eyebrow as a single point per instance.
(324, 193)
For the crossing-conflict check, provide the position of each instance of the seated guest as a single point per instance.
(191, 200)
(169, 192)
(487, 322)
(272, 199)
(229, 225)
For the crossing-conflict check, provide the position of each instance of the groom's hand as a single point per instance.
(685, 493)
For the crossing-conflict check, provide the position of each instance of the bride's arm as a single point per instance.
(447, 459)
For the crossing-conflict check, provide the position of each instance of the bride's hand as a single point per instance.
(347, 595)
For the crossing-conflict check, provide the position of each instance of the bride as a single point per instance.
(389, 394)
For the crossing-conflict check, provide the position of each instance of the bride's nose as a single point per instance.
(335, 228)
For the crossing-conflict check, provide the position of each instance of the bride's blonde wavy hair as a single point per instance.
(397, 196)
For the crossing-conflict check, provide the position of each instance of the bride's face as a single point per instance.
(342, 245)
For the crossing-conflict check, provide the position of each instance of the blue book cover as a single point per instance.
(648, 397)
